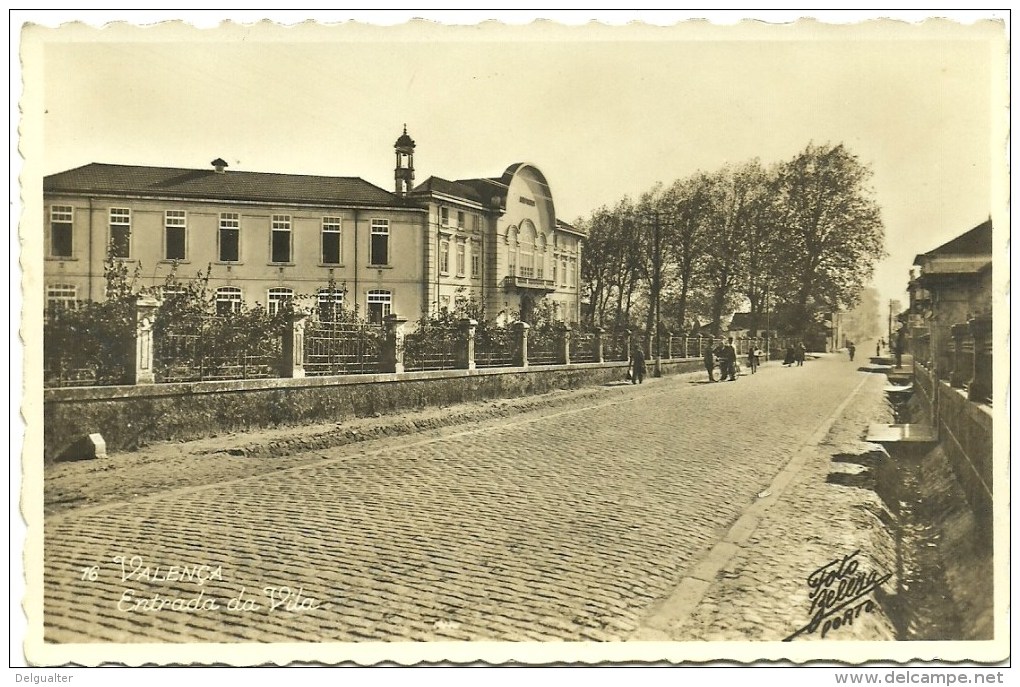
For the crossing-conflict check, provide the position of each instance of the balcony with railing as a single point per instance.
(530, 282)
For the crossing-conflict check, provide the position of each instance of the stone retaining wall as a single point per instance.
(131, 416)
(965, 436)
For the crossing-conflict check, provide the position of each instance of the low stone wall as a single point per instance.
(965, 436)
(131, 416)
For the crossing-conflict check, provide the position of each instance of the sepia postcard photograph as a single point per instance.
(493, 338)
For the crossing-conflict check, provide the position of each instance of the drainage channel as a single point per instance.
(940, 556)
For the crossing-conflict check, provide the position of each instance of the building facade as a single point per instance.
(951, 306)
(264, 238)
(497, 241)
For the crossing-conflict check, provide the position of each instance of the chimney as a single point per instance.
(220, 164)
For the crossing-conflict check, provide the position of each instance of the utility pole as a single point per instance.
(888, 339)
(656, 287)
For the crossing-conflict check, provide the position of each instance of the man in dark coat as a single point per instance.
(710, 362)
(728, 357)
(638, 366)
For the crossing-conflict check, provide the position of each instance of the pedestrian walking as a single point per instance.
(901, 346)
(791, 356)
(728, 356)
(637, 366)
(710, 361)
(851, 349)
(753, 358)
(800, 354)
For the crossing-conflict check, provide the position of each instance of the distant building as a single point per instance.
(740, 325)
(268, 237)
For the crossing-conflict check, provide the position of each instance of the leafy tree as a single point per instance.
(685, 202)
(611, 264)
(832, 227)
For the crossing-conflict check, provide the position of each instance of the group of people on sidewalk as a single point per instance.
(726, 355)
(795, 354)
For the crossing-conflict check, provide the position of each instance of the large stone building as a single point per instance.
(264, 238)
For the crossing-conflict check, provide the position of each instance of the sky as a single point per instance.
(603, 111)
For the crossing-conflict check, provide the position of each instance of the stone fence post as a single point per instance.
(392, 357)
(669, 345)
(600, 345)
(520, 330)
(143, 371)
(980, 388)
(292, 365)
(565, 345)
(962, 367)
(466, 344)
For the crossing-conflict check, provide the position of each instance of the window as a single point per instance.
(460, 220)
(278, 298)
(563, 271)
(60, 297)
(379, 304)
(331, 240)
(120, 233)
(527, 266)
(444, 217)
(476, 261)
(555, 264)
(512, 262)
(444, 256)
(330, 303)
(228, 300)
(61, 231)
(172, 292)
(476, 222)
(461, 258)
(230, 237)
(571, 265)
(379, 252)
(540, 255)
(175, 226)
(280, 249)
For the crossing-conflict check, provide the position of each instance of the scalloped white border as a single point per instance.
(496, 25)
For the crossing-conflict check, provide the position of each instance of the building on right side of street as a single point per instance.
(951, 305)
(950, 326)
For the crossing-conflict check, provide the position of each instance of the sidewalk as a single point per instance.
(820, 508)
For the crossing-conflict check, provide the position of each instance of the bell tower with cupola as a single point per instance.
(403, 173)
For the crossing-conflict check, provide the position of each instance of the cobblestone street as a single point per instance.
(576, 521)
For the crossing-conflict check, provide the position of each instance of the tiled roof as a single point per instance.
(101, 178)
(977, 241)
(492, 190)
(456, 189)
